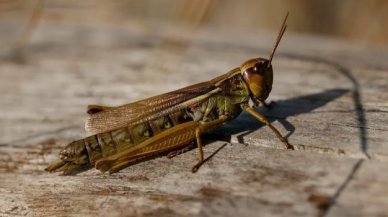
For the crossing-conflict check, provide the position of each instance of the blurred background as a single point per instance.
(364, 21)
(137, 38)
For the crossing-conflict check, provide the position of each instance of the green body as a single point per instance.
(226, 102)
(167, 121)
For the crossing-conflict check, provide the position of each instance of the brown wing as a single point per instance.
(147, 109)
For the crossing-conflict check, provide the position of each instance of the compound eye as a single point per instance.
(258, 68)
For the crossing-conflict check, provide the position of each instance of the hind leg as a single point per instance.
(174, 153)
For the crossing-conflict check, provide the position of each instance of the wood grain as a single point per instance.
(331, 102)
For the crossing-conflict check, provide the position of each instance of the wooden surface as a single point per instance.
(331, 102)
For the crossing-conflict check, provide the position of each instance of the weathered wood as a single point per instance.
(331, 102)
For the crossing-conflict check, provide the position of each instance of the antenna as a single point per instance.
(282, 30)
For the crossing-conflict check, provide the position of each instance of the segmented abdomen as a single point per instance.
(109, 143)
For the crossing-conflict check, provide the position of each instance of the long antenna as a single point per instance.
(282, 30)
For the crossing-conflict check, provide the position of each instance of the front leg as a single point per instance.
(257, 103)
(262, 119)
(267, 105)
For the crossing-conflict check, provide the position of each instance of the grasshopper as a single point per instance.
(169, 121)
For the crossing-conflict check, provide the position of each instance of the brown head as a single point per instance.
(258, 73)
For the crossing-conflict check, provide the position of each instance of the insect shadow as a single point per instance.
(280, 111)
(246, 124)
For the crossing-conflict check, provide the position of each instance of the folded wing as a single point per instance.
(147, 109)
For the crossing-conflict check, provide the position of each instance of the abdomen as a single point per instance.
(112, 142)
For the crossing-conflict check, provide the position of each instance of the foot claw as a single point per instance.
(196, 167)
(289, 146)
